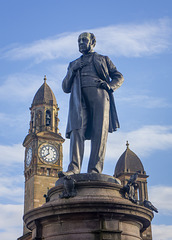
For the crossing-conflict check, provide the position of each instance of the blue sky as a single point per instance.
(40, 37)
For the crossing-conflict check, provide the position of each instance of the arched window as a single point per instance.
(39, 121)
(48, 118)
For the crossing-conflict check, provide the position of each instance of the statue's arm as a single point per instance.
(116, 77)
(71, 72)
(68, 80)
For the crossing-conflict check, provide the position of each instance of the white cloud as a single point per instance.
(144, 101)
(161, 197)
(9, 214)
(11, 189)
(47, 49)
(134, 40)
(130, 40)
(11, 221)
(162, 232)
(19, 87)
(11, 154)
(143, 141)
(13, 121)
(11, 233)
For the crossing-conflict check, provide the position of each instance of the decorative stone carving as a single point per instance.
(69, 188)
(149, 205)
(130, 187)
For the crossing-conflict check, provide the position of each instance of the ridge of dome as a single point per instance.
(44, 95)
(128, 162)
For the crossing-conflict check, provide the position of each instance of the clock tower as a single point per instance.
(43, 149)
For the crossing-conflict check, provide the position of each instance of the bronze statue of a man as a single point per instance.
(91, 79)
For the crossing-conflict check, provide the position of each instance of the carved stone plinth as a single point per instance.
(97, 211)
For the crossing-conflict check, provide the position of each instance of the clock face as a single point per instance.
(28, 156)
(48, 153)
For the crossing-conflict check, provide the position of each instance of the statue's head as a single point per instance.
(86, 42)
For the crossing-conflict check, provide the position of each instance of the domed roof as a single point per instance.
(44, 95)
(128, 162)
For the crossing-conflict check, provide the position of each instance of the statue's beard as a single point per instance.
(84, 48)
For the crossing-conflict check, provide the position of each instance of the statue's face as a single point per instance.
(85, 43)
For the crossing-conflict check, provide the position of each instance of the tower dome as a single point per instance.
(128, 163)
(44, 95)
(44, 110)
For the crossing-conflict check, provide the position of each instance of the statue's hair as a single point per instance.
(93, 38)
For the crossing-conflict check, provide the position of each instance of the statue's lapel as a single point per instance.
(100, 66)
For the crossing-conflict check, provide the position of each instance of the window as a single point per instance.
(48, 118)
(48, 171)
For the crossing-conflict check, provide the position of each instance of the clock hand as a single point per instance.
(48, 152)
(46, 155)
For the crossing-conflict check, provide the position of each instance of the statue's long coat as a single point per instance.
(71, 84)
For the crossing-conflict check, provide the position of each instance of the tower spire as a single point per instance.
(45, 78)
(44, 110)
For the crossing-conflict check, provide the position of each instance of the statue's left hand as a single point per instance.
(104, 85)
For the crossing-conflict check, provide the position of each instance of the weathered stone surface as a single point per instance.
(98, 211)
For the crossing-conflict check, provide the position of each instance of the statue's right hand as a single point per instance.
(78, 65)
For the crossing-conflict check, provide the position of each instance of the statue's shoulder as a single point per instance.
(74, 61)
(100, 56)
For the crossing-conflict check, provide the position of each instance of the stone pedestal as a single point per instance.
(94, 210)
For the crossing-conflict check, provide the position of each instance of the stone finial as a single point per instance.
(45, 78)
(127, 144)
